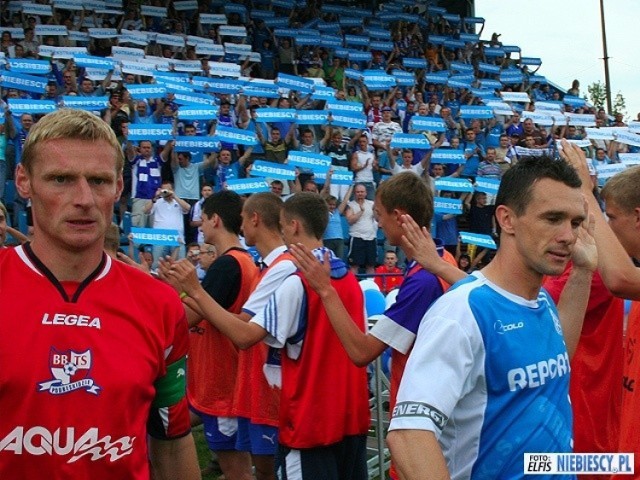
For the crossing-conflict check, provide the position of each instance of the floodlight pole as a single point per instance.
(607, 81)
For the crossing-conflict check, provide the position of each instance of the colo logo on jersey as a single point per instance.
(501, 328)
(70, 371)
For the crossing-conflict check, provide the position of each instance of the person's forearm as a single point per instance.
(174, 459)
(445, 270)
(618, 272)
(573, 306)
(232, 327)
(184, 205)
(360, 347)
(417, 455)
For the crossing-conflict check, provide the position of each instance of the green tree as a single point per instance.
(620, 105)
(597, 94)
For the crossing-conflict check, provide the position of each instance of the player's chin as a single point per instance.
(79, 241)
(555, 267)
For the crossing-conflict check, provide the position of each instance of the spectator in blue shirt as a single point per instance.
(473, 153)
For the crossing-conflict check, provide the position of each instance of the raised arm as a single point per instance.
(345, 200)
(167, 150)
(418, 244)
(392, 156)
(618, 272)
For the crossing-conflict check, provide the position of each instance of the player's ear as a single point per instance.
(23, 182)
(505, 218)
(398, 215)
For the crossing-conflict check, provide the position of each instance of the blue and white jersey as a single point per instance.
(489, 375)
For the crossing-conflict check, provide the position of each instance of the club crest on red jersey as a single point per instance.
(70, 371)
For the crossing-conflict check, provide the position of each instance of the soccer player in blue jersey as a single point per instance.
(488, 378)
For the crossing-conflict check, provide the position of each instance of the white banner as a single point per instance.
(29, 8)
(224, 69)
(137, 68)
(237, 49)
(634, 126)
(213, 19)
(629, 138)
(170, 40)
(51, 30)
(186, 65)
(232, 31)
(210, 49)
(541, 118)
(584, 143)
(515, 97)
(186, 5)
(195, 40)
(134, 37)
(600, 133)
(629, 159)
(553, 106)
(60, 52)
(127, 53)
(103, 32)
(68, 4)
(150, 11)
(581, 119)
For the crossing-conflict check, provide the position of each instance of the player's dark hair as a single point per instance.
(517, 182)
(228, 206)
(310, 209)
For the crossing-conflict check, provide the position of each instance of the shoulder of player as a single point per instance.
(224, 263)
(456, 302)
(291, 287)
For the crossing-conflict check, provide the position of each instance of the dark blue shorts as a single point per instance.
(221, 433)
(255, 438)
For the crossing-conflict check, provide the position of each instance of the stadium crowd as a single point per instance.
(364, 110)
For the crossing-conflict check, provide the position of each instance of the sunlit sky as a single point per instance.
(566, 35)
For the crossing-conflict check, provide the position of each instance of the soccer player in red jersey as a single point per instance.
(93, 351)
(616, 242)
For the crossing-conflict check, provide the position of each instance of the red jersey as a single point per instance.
(80, 366)
(596, 368)
(213, 358)
(386, 280)
(324, 395)
(629, 431)
(254, 398)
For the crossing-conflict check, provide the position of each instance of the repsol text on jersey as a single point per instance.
(71, 320)
(537, 374)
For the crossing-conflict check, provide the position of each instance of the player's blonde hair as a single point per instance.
(73, 124)
(622, 189)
